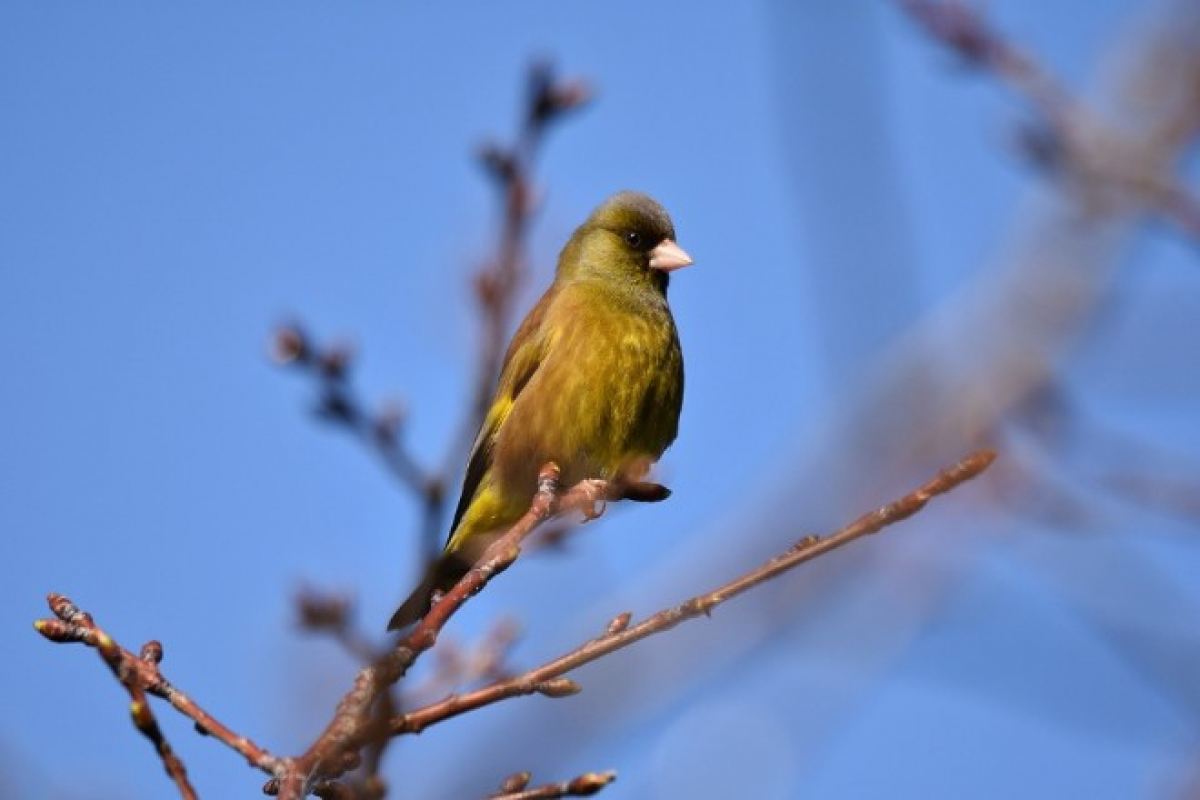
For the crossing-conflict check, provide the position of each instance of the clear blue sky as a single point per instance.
(180, 179)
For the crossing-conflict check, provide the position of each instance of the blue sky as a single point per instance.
(180, 180)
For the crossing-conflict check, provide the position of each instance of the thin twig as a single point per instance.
(332, 614)
(497, 285)
(140, 675)
(548, 99)
(457, 665)
(335, 750)
(547, 679)
(516, 787)
(382, 432)
(1070, 139)
(357, 721)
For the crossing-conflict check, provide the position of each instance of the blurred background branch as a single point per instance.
(497, 283)
(970, 372)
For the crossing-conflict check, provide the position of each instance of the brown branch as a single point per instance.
(497, 284)
(547, 679)
(381, 432)
(357, 721)
(332, 614)
(1099, 457)
(335, 750)
(140, 675)
(516, 787)
(457, 665)
(547, 100)
(1069, 140)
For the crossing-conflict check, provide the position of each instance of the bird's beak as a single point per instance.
(668, 257)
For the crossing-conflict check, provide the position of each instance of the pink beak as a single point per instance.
(669, 257)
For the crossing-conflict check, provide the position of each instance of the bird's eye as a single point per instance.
(633, 238)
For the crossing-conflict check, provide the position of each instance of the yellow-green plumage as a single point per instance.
(593, 381)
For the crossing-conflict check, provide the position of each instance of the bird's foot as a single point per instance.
(548, 480)
(595, 494)
(546, 501)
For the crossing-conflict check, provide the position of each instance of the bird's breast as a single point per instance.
(606, 397)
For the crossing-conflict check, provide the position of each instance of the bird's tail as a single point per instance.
(440, 576)
(418, 603)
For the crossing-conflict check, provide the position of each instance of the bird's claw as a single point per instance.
(595, 494)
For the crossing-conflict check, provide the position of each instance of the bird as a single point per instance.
(591, 381)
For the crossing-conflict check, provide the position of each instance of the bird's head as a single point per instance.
(628, 238)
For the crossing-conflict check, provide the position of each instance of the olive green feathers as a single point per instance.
(592, 380)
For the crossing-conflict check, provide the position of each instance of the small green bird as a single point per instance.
(592, 380)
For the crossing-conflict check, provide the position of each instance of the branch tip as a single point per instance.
(620, 633)
(592, 782)
(55, 630)
(559, 687)
(516, 782)
(289, 345)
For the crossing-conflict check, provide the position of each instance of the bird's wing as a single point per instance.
(526, 353)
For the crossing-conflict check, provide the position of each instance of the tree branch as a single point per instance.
(1069, 138)
(516, 787)
(547, 100)
(140, 674)
(381, 432)
(352, 726)
(547, 679)
(496, 285)
(357, 722)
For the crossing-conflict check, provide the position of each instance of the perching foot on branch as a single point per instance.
(595, 493)
(591, 496)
